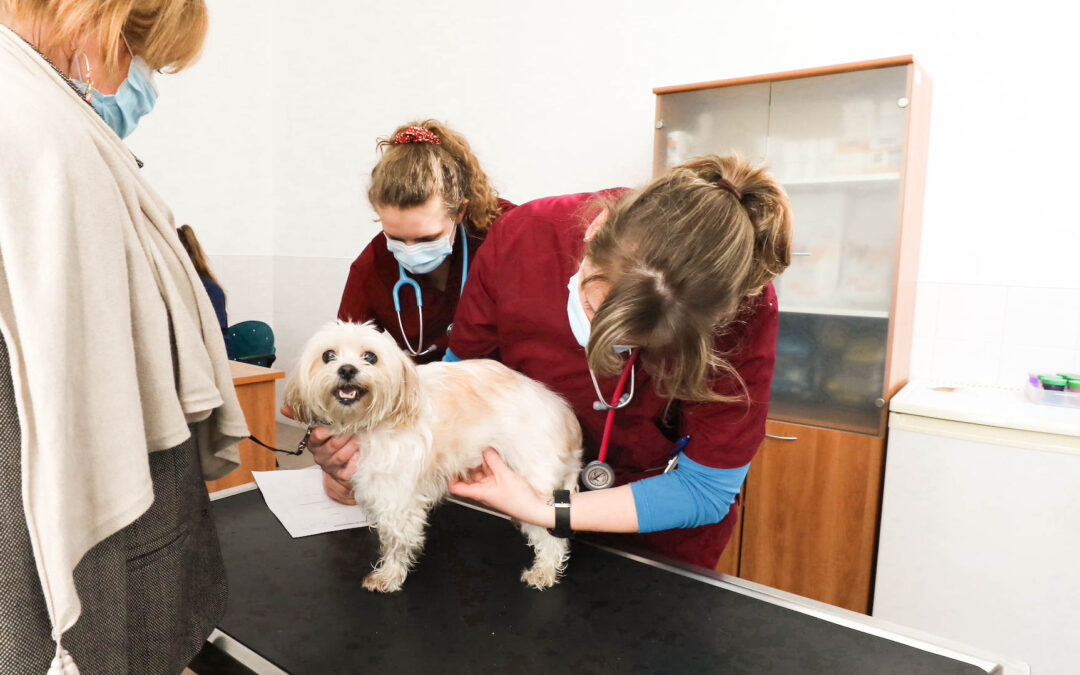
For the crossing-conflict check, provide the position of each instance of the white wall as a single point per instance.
(265, 145)
(208, 148)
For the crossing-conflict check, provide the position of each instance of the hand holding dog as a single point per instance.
(496, 485)
(337, 456)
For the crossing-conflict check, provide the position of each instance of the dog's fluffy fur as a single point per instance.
(419, 427)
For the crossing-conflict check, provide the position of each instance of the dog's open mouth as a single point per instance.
(347, 394)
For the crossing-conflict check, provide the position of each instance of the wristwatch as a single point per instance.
(561, 502)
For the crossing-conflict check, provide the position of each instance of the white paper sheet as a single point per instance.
(298, 500)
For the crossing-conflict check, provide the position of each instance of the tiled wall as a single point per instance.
(307, 292)
(994, 335)
(249, 286)
(295, 295)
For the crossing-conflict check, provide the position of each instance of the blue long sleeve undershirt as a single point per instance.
(690, 496)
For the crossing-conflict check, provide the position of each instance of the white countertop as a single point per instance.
(988, 406)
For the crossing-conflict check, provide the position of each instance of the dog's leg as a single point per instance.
(401, 538)
(551, 556)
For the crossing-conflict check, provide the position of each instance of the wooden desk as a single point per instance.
(256, 388)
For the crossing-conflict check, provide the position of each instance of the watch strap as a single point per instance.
(562, 514)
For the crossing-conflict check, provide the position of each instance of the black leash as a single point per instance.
(299, 448)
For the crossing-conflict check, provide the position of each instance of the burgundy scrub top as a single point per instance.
(368, 294)
(514, 309)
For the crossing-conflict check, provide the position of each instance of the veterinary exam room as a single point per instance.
(570, 337)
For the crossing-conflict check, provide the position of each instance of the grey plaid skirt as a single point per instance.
(151, 593)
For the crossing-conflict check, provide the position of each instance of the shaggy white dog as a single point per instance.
(421, 426)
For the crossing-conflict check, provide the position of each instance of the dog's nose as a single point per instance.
(347, 372)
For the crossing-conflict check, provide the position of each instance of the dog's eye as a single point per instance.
(328, 356)
(371, 358)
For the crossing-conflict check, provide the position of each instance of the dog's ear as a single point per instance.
(407, 406)
(295, 399)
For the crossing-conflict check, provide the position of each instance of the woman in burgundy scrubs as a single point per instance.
(679, 271)
(435, 205)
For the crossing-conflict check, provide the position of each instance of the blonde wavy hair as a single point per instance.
(409, 174)
(683, 256)
(167, 34)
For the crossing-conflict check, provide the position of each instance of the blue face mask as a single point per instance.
(134, 99)
(421, 258)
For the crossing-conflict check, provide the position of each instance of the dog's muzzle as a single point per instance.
(348, 394)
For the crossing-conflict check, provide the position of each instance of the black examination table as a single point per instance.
(296, 605)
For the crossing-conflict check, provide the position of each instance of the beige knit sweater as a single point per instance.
(95, 289)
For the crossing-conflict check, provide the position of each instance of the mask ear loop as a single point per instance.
(88, 77)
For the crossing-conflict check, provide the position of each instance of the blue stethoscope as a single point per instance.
(405, 280)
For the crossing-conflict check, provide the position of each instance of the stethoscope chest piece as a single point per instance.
(597, 475)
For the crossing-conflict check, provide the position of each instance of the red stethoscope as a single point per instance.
(598, 474)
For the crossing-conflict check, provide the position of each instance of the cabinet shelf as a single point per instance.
(842, 180)
(837, 311)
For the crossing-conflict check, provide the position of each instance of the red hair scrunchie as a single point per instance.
(416, 135)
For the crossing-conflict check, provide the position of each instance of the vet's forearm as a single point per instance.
(611, 510)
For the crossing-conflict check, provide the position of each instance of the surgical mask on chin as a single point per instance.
(134, 99)
(421, 258)
(580, 325)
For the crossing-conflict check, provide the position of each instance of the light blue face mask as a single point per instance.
(421, 258)
(580, 325)
(134, 99)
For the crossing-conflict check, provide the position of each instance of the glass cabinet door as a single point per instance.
(712, 121)
(836, 142)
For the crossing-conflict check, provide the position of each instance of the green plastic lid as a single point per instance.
(1053, 380)
(1074, 384)
(1070, 376)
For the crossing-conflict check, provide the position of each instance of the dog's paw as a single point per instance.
(385, 579)
(540, 578)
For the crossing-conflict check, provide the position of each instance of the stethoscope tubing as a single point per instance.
(609, 423)
(405, 280)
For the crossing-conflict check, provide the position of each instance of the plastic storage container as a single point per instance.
(1068, 396)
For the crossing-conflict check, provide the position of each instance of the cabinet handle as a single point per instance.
(804, 255)
(782, 438)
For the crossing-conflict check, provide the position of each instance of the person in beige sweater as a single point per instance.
(116, 401)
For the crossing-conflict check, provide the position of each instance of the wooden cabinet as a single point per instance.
(849, 145)
(811, 513)
(730, 560)
(256, 391)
